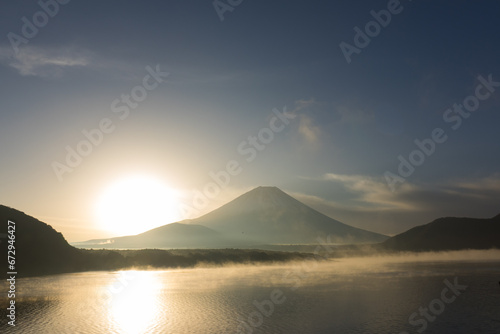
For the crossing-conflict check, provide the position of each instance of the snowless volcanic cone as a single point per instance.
(269, 215)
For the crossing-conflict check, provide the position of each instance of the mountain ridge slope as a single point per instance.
(269, 215)
(264, 215)
(448, 233)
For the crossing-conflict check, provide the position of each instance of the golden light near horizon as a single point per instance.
(135, 204)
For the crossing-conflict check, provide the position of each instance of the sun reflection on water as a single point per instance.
(134, 306)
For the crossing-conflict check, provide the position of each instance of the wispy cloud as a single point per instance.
(44, 62)
(303, 104)
(371, 192)
(317, 121)
(310, 133)
(367, 202)
(490, 183)
(365, 194)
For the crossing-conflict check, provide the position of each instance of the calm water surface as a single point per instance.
(370, 295)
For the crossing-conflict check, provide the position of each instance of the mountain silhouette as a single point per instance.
(267, 215)
(449, 233)
(262, 216)
(38, 247)
(175, 235)
(41, 250)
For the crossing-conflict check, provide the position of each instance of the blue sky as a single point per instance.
(349, 122)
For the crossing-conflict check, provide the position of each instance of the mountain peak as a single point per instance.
(269, 215)
(267, 188)
(263, 197)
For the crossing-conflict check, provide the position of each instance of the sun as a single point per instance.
(135, 204)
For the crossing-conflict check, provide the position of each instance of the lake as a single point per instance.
(456, 292)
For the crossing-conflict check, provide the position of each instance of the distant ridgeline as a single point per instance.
(448, 233)
(261, 218)
(41, 250)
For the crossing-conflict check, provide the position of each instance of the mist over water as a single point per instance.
(347, 295)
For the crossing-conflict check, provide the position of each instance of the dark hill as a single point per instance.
(448, 233)
(41, 250)
(38, 247)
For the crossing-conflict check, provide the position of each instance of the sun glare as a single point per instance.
(135, 302)
(136, 204)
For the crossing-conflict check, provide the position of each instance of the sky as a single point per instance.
(381, 114)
